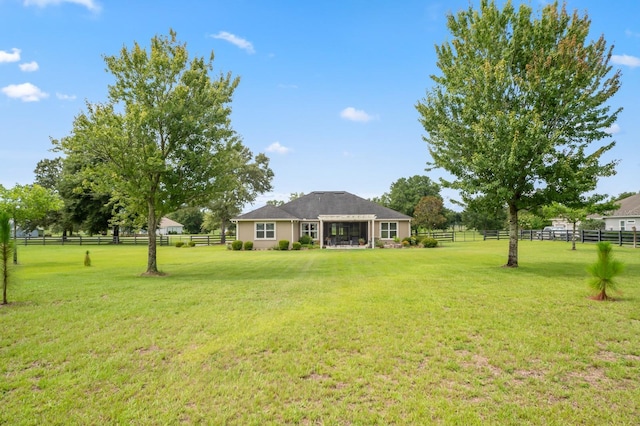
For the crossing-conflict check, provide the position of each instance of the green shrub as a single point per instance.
(296, 246)
(192, 243)
(305, 239)
(179, 244)
(248, 245)
(236, 245)
(283, 245)
(379, 243)
(412, 240)
(429, 242)
(405, 243)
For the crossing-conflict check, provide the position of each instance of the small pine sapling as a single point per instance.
(604, 271)
(87, 259)
(6, 249)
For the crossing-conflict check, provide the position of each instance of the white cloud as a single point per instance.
(26, 92)
(14, 56)
(353, 114)
(613, 129)
(64, 97)
(89, 4)
(277, 148)
(29, 66)
(235, 40)
(630, 61)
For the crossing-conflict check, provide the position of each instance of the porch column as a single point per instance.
(321, 233)
(372, 234)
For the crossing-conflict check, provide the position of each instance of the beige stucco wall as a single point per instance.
(288, 230)
(404, 228)
(613, 224)
(285, 230)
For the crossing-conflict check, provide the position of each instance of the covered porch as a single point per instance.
(346, 231)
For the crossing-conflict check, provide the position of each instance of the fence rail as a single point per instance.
(583, 236)
(620, 238)
(161, 240)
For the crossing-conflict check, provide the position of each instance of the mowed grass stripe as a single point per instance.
(440, 335)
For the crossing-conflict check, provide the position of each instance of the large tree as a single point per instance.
(518, 107)
(161, 140)
(405, 193)
(83, 208)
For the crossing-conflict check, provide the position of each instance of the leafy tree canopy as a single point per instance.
(163, 138)
(429, 213)
(405, 193)
(517, 107)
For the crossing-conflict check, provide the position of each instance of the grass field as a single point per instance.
(410, 336)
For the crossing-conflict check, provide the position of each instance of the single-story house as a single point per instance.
(626, 217)
(330, 218)
(168, 226)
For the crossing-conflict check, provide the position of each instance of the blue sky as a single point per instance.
(328, 88)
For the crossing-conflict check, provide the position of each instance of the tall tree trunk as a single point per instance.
(512, 262)
(223, 232)
(573, 237)
(152, 224)
(116, 234)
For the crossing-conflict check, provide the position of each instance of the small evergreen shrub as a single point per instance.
(248, 245)
(405, 243)
(305, 239)
(283, 245)
(87, 259)
(604, 271)
(236, 245)
(296, 246)
(192, 243)
(379, 243)
(179, 244)
(429, 242)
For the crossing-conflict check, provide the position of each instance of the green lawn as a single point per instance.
(410, 336)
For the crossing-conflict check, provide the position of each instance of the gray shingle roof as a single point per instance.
(318, 203)
(629, 206)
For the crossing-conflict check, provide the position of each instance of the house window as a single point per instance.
(310, 229)
(388, 230)
(265, 231)
(622, 227)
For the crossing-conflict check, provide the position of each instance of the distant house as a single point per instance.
(331, 218)
(168, 226)
(20, 233)
(626, 217)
